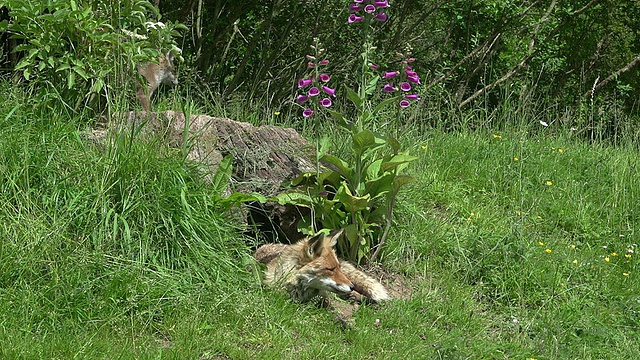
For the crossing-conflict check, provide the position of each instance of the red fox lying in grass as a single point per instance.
(310, 268)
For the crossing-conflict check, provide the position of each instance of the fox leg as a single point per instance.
(365, 287)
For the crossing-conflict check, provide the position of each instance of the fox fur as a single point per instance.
(310, 268)
(153, 75)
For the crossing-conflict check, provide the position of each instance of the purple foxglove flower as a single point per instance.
(329, 91)
(358, 1)
(304, 82)
(410, 72)
(355, 8)
(411, 59)
(307, 112)
(369, 9)
(310, 57)
(388, 88)
(374, 66)
(353, 18)
(389, 74)
(405, 86)
(414, 79)
(301, 99)
(381, 17)
(314, 91)
(412, 97)
(324, 77)
(326, 102)
(403, 104)
(324, 62)
(311, 64)
(382, 4)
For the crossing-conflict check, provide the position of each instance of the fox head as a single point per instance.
(322, 270)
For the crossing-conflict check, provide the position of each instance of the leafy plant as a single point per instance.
(68, 48)
(359, 193)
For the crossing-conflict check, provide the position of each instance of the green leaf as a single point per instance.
(223, 175)
(394, 143)
(71, 80)
(352, 203)
(384, 103)
(238, 198)
(372, 85)
(380, 186)
(373, 170)
(337, 164)
(341, 119)
(402, 180)
(355, 98)
(293, 197)
(363, 140)
(396, 161)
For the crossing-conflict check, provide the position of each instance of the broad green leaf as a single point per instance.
(71, 80)
(373, 170)
(352, 203)
(402, 180)
(355, 98)
(223, 175)
(337, 164)
(394, 143)
(396, 161)
(380, 186)
(363, 140)
(293, 197)
(341, 119)
(351, 234)
(238, 198)
(372, 85)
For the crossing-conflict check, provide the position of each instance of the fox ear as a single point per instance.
(334, 236)
(316, 245)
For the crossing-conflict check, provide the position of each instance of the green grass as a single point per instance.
(122, 252)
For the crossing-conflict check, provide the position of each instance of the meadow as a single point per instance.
(518, 241)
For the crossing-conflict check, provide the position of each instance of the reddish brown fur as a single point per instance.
(155, 74)
(310, 267)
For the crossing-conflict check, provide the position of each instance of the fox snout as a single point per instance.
(170, 79)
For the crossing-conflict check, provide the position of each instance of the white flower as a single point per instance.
(153, 25)
(134, 35)
(543, 123)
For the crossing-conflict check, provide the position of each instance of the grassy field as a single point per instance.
(512, 244)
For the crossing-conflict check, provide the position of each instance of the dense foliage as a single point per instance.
(579, 55)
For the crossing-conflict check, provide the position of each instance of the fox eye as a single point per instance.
(331, 269)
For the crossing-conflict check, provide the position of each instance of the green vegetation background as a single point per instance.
(519, 239)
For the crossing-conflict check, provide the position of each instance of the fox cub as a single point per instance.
(310, 268)
(155, 74)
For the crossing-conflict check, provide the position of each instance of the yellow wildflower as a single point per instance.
(627, 255)
(607, 259)
(575, 262)
(540, 243)
(572, 246)
(614, 254)
(625, 274)
(549, 183)
(495, 136)
(560, 150)
(423, 147)
(515, 158)
(277, 113)
(548, 251)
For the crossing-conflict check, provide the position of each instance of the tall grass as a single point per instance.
(504, 247)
